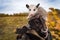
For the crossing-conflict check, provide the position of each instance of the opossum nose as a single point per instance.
(31, 14)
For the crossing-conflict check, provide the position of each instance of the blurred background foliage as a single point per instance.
(54, 23)
(9, 23)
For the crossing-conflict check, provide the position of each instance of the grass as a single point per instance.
(9, 24)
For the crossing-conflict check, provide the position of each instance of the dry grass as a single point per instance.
(9, 24)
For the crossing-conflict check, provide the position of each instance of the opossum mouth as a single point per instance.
(31, 16)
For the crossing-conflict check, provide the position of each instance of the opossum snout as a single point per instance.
(30, 15)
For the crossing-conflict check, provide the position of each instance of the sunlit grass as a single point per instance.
(9, 25)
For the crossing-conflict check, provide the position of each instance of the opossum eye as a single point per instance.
(34, 9)
(29, 9)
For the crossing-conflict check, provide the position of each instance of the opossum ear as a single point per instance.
(37, 5)
(27, 5)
